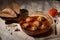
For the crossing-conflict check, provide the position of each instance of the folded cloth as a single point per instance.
(16, 35)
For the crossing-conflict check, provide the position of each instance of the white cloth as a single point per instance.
(6, 35)
(31, 6)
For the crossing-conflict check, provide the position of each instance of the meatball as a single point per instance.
(43, 26)
(25, 25)
(28, 19)
(32, 28)
(39, 19)
(36, 23)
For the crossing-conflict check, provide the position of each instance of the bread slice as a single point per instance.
(2, 14)
(16, 7)
(8, 12)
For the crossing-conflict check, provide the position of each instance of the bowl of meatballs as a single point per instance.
(36, 23)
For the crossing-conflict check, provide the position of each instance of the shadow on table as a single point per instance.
(0, 38)
(44, 34)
